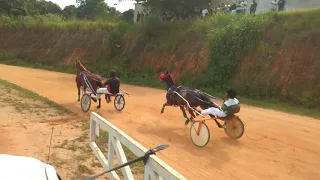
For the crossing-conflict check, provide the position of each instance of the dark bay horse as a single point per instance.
(95, 79)
(194, 97)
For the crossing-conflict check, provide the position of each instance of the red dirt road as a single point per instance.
(275, 145)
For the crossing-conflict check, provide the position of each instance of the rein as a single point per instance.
(192, 94)
(170, 84)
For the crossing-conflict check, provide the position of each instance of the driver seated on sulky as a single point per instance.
(111, 86)
(230, 106)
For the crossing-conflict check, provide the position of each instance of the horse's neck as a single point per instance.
(169, 84)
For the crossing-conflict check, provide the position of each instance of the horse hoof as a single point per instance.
(187, 122)
(222, 126)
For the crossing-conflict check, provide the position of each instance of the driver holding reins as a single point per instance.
(230, 106)
(111, 85)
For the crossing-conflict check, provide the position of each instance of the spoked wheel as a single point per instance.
(234, 128)
(85, 102)
(204, 134)
(119, 102)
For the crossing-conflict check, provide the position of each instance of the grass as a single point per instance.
(102, 142)
(81, 170)
(31, 95)
(82, 151)
(52, 22)
(54, 159)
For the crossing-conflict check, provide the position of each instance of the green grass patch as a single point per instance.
(102, 142)
(31, 95)
(82, 170)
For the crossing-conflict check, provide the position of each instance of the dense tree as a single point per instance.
(182, 7)
(70, 12)
(97, 9)
(46, 7)
(128, 15)
(18, 7)
(28, 7)
(87, 9)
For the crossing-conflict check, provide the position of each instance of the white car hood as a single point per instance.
(25, 168)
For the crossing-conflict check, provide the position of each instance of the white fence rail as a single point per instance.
(154, 169)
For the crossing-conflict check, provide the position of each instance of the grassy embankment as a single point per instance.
(24, 93)
(273, 60)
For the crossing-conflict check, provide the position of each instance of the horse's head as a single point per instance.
(166, 78)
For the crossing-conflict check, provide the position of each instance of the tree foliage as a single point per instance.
(182, 7)
(97, 9)
(70, 12)
(47, 7)
(18, 7)
(87, 9)
(128, 16)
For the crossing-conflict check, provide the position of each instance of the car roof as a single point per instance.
(27, 168)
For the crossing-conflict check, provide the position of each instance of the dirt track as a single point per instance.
(275, 145)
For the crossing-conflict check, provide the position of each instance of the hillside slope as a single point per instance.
(267, 56)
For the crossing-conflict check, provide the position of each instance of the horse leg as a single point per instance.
(107, 97)
(192, 115)
(78, 86)
(99, 106)
(185, 115)
(78, 93)
(164, 105)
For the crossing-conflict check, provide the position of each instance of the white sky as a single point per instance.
(123, 6)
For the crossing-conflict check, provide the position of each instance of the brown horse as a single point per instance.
(194, 97)
(94, 79)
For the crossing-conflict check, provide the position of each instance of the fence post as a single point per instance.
(93, 126)
(155, 169)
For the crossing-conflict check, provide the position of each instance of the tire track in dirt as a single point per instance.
(275, 145)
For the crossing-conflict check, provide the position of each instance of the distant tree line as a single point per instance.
(181, 8)
(85, 9)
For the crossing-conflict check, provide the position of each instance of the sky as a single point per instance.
(123, 6)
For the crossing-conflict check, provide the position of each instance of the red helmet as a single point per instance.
(161, 76)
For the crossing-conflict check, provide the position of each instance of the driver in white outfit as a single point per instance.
(227, 107)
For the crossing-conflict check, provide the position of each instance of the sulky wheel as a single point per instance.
(234, 128)
(119, 102)
(204, 135)
(85, 102)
